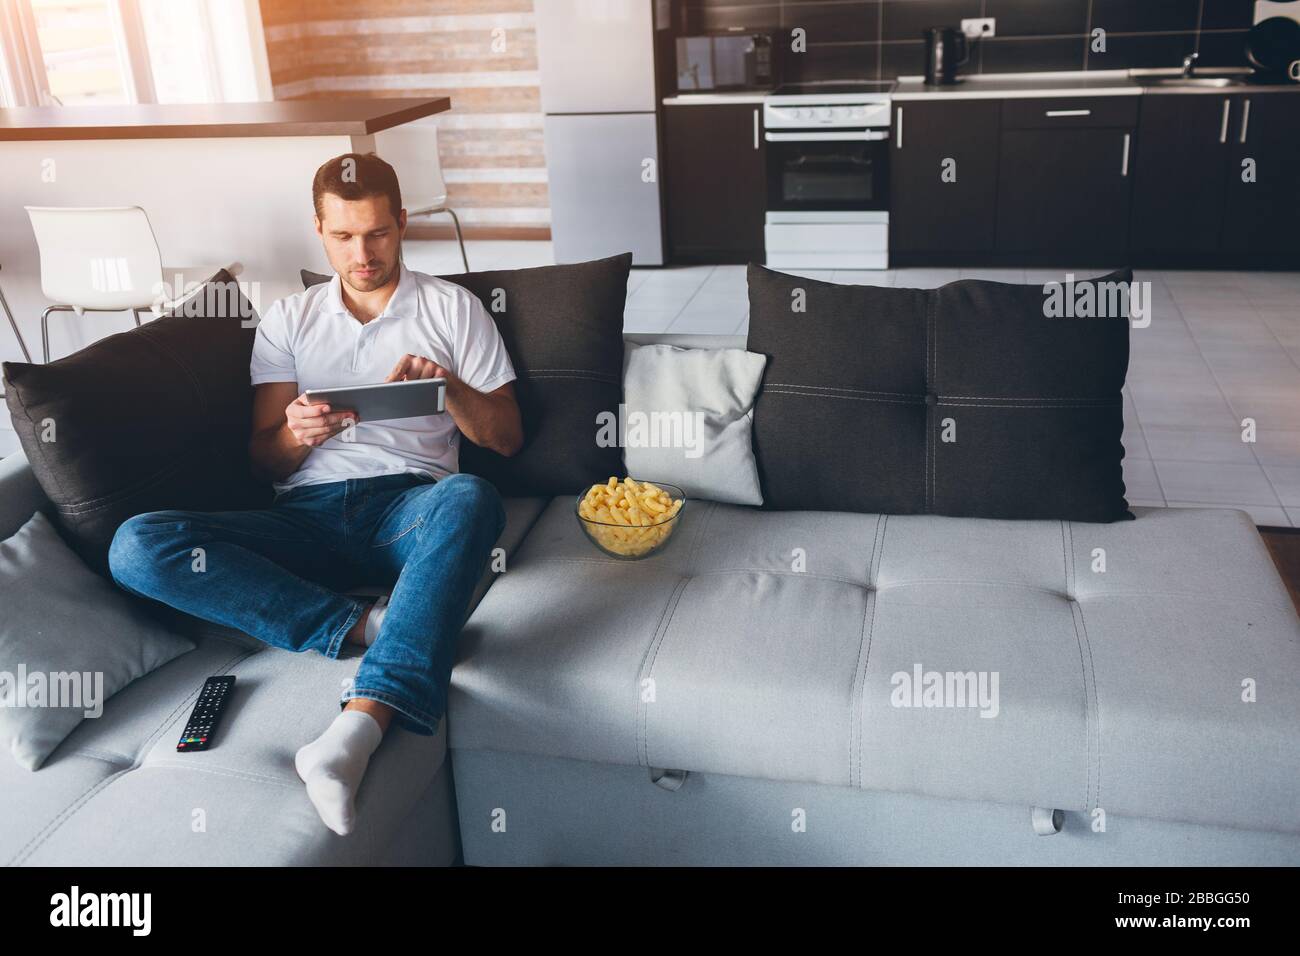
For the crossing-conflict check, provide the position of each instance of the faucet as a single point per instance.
(1189, 63)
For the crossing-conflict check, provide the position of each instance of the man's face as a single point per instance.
(361, 238)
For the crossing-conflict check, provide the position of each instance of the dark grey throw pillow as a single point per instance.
(157, 417)
(563, 328)
(967, 400)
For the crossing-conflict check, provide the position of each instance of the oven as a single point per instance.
(819, 170)
(828, 157)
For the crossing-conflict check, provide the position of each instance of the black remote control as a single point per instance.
(206, 713)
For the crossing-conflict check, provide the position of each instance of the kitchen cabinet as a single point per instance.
(1064, 192)
(1065, 178)
(1178, 175)
(931, 212)
(1191, 197)
(1152, 179)
(1262, 217)
(715, 181)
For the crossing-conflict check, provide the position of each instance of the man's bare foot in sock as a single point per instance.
(333, 764)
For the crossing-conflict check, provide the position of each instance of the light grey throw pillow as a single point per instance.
(69, 640)
(688, 416)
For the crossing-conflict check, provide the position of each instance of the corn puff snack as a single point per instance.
(635, 516)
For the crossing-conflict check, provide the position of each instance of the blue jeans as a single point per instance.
(277, 574)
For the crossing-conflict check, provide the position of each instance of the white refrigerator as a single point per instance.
(596, 62)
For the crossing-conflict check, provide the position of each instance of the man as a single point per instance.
(356, 502)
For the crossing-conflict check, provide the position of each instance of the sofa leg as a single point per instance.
(668, 779)
(1046, 821)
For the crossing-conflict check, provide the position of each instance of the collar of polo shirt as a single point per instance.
(403, 303)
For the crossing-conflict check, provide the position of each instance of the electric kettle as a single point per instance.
(945, 50)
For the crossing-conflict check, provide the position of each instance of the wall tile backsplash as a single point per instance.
(882, 38)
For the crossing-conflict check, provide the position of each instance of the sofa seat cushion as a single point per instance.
(781, 645)
(123, 768)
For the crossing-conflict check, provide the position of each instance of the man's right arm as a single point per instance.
(286, 428)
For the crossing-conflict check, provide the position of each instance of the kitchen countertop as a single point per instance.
(358, 117)
(1033, 85)
(714, 99)
(1017, 86)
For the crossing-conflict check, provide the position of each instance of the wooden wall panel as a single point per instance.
(491, 140)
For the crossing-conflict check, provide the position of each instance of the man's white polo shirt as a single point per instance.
(312, 339)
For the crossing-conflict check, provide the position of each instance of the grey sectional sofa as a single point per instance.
(721, 703)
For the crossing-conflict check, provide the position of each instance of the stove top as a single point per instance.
(829, 104)
(837, 88)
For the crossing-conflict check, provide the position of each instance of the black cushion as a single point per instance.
(154, 418)
(563, 328)
(862, 387)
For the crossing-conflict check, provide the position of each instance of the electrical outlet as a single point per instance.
(980, 27)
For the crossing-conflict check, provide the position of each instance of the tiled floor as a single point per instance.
(1221, 347)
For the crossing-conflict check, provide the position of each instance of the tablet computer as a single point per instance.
(386, 400)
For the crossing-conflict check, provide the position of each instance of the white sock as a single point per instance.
(333, 764)
(376, 619)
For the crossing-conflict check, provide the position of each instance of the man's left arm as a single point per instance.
(488, 419)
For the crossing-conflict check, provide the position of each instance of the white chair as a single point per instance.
(103, 260)
(414, 153)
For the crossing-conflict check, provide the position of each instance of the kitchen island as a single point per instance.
(221, 183)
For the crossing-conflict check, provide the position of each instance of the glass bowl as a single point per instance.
(631, 542)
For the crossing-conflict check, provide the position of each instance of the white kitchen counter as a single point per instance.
(1046, 85)
(1010, 86)
(1023, 86)
(715, 99)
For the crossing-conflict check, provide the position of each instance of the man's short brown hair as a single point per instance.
(355, 176)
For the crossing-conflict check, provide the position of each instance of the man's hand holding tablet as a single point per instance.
(416, 387)
(314, 423)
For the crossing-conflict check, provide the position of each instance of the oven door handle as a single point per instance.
(858, 136)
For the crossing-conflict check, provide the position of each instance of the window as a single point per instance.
(78, 40)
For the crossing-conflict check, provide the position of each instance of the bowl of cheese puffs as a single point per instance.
(627, 518)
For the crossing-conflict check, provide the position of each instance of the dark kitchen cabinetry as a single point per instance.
(716, 182)
(1065, 179)
(1182, 159)
(1064, 192)
(1262, 217)
(1191, 198)
(928, 214)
